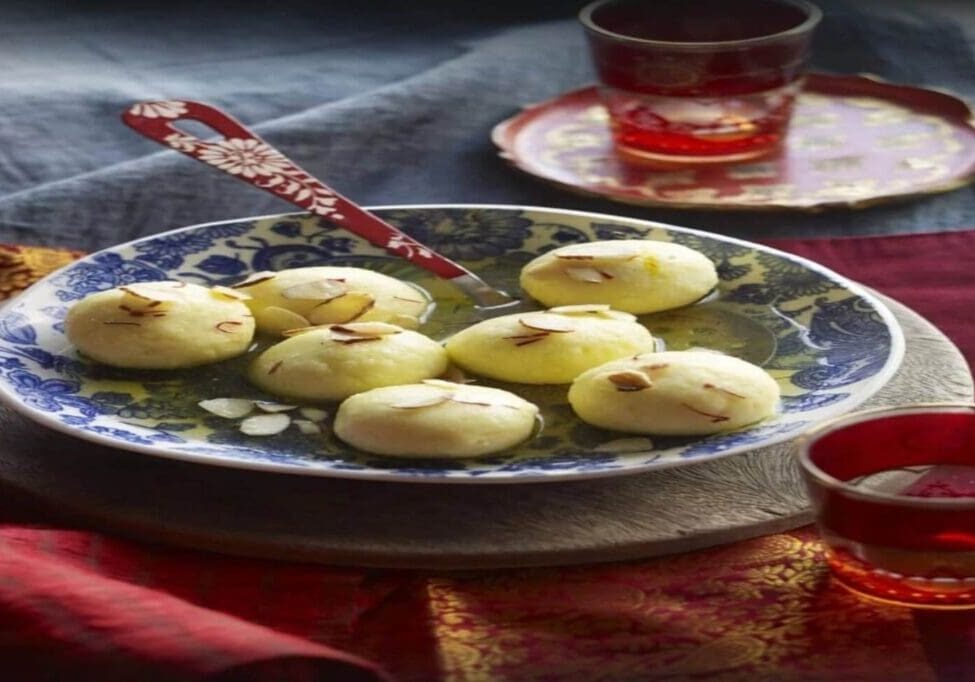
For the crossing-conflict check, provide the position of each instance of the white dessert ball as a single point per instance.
(548, 347)
(302, 297)
(675, 393)
(435, 419)
(336, 361)
(160, 325)
(633, 275)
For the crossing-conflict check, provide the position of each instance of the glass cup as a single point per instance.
(699, 80)
(894, 494)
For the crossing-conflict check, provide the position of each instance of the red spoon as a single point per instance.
(245, 156)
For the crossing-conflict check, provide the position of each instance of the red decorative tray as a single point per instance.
(854, 141)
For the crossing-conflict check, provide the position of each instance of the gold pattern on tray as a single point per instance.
(903, 140)
(815, 119)
(837, 164)
(887, 116)
(817, 142)
(767, 193)
(850, 189)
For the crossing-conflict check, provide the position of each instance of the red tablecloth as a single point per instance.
(79, 605)
(933, 274)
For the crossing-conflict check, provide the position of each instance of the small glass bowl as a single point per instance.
(894, 495)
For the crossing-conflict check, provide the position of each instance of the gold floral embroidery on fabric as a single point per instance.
(757, 610)
(42, 261)
(21, 267)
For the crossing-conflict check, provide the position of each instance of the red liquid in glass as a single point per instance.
(742, 94)
(735, 127)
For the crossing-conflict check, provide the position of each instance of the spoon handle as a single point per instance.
(247, 157)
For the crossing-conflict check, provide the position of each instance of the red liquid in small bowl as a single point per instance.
(895, 501)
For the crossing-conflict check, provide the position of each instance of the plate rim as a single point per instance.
(890, 368)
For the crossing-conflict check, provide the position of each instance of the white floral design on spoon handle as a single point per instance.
(247, 157)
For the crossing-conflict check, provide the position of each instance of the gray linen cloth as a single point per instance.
(388, 105)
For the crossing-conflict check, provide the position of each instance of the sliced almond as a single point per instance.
(228, 408)
(346, 308)
(313, 414)
(472, 401)
(309, 428)
(603, 251)
(265, 424)
(228, 294)
(276, 320)
(270, 406)
(485, 400)
(421, 399)
(581, 309)
(546, 322)
(343, 334)
(454, 374)
(316, 290)
(638, 444)
(588, 275)
(229, 326)
(367, 328)
(630, 380)
(254, 279)
(302, 330)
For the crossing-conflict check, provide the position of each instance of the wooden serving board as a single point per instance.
(441, 526)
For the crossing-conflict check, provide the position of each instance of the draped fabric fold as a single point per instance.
(386, 105)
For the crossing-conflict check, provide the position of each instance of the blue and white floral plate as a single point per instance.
(828, 342)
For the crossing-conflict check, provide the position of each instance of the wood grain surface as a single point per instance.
(425, 526)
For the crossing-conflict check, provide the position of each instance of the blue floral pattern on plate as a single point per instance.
(828, 342)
